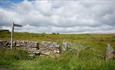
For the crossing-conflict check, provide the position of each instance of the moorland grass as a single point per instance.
(18, 60)
(92, 58)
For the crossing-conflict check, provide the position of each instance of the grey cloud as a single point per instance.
(75, 16)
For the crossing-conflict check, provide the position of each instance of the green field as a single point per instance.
(88, 59)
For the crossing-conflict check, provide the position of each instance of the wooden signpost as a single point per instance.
(12, 31)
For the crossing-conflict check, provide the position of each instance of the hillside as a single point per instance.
(92, 58)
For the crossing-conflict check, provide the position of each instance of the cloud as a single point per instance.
(62, 16)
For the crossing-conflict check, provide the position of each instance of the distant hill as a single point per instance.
(3, 30)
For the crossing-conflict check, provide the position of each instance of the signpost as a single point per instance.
(12, 31)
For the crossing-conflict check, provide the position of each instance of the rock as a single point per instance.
(48, 48)
(109, 52)
(66, 45)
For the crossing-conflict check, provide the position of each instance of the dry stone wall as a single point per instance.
(38, 48)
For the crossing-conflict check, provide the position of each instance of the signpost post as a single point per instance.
(12, 31)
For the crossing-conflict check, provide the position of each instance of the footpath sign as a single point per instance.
(12, 31)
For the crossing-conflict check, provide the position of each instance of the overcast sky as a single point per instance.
(59, 16)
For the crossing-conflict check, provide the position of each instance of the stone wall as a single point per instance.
(38, 48)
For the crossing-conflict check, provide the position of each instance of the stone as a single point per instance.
(42, 48)
(66, 45)
(109, 52)
(48, 48)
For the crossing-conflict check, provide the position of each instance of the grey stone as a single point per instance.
(44, 47)
(109, 52)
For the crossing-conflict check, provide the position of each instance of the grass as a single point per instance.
(92, 58)
(67, 61)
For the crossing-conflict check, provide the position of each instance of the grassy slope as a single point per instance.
(88, 59)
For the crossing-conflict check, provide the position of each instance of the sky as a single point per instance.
(58, 16)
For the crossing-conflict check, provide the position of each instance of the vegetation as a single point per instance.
(89, 59)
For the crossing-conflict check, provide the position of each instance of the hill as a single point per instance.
(92, 58)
